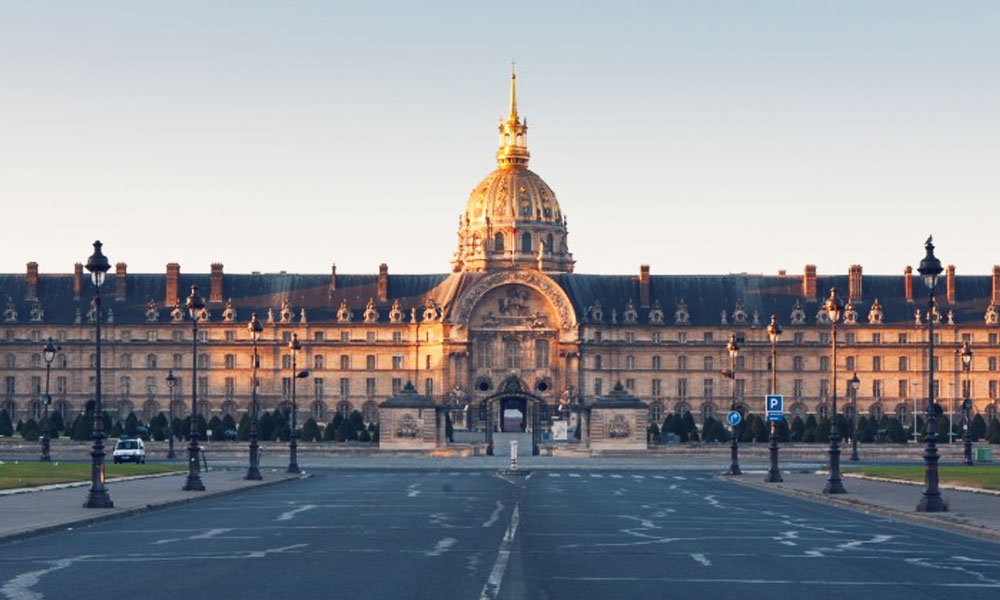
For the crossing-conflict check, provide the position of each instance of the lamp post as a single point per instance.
(97, 496)
(834, 310)
(931, 500)
(773, 333)
(734, 447)
(253, 471)
(852, 387)
(194, 304)
(967, 402)
(49, 353)
(293, 460)
(171, 383)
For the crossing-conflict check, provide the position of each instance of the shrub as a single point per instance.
(978, 427)
(310, 430)
(993, 432)
(116, 431)
(653, 433)
(364, 436)
(345, 432)
(6, 426)
(357, 422)
(29, 431)
(243, 431)
(131, 424)
(228, 423)
(798, 428)
(56, 422)
(266, 425)
(218, 431)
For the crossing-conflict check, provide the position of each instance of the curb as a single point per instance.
(74, 484)
(943, 522)
(137, 510)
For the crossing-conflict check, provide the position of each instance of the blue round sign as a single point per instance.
(733, 417)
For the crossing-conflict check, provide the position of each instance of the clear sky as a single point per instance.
(698, 137)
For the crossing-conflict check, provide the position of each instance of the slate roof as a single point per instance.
(706, 296)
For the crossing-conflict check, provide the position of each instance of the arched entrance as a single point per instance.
(513, 413)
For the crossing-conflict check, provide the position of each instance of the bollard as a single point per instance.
(513, 455)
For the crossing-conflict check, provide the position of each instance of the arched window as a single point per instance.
(35, 410)
(902, 413)
(656, 412)
(344, 408)
(707, 410)
(318, 411)
(875, 410)
(498, 242)
(526, 242)
(229, 409)
(369, 412)
(549, 243)
(345, 362)
(822, 411)
(149, 410)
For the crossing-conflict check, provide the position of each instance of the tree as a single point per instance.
(116, 430)
(690, 426)
(798, 428)
(131, 424)
(717, 433)
(330, 433)
(310, 431)
(218, 431)
(781, 428)
(678, 428)
(668, 423)
(357, 423)
(364, 436)
(978, 428)
(755, 431)
(823, 430)
(266, 426)
(180, 431)
(56, 421)
(29, 431)
(653, 433)
(6, 426)
(228, 424)
(895, 432)
(344, 432)
(243, 430)
(993, 432)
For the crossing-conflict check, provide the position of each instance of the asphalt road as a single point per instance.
(469, 534)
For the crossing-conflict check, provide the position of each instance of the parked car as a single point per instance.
(129, 450)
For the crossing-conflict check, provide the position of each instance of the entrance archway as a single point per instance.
(513, 412)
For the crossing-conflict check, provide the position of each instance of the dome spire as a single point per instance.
(513, 132)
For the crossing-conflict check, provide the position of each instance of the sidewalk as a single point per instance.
(51, 508)
(970, 513)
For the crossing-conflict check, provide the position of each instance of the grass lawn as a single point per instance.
(979, 476)
(31, 474)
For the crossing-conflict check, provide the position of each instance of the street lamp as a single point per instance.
(852, 387)
(171, 383)
(967, 402)
(98, 496)
(253, 471)
(931, 500)
(49, 353)
(293, 460)
(834, 310)
(773, 333)
(194, 304)
(734, 447)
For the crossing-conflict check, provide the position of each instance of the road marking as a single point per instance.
(574, 474)
(700, 558)
(494, 515)
(412, 491)
(832, 583)
(211, 533)
(658, 477)
(288, 516)
(616, 477)
(680, 478)
(638, 477)
(19, 587)
(492, 587)
(712, 500)
(555, 475)
(596, 475)
(441, 547)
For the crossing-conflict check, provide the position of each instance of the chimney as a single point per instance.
(809, 282)
(173, 274)
(31, 278)
(215, 285)
(995, 296)
(854, 283)
(383, 283)
(949, 279)
(333, 278)
(908, 282)
(643, 286)
(77, 280)
(120, 270)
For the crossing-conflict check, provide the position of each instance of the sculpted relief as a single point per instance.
(513, 306)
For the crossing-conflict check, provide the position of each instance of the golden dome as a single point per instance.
(513, 193)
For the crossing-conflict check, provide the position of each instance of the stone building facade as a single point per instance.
(511, 327)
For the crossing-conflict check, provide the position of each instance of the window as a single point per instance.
(629, 337)
(177, 336)
(992, 363)
(656, 337)
(397, 362)
(370, 362)
(397, 384)
(741, 386)
(741, 363)
(598, 361)
(902, 413)
(682, 337)
(36, 387)
(125, 387)
(993, 339)
(824, 388)
(369, 336)
(797, 387)
(512, 354)
(541, 354)
(657, 362)
(936, 388)
(904, 363)
(824, 338)
(10, 361)
(318, 362)
(597, 336)
(876, 363)
(904, 388)
(526, 242)
(345, 388)
(151, 336)
(126, 361)
(498, 242)
(427, 362)
(150, 361)
(317, 336)
(598, 386)
(397, 337)
(230, 388)
(8, 388)
(178, 361)
(993, 388)
(849, 339)
(345, 336)
(344, 408)
(876, 338)
(630, 385)
(230, 335)
(849, 363)
(707, 388)
(202, 361)
(318, 388)
(682, 388)
(901, 338)
(656, 388)
(798, 363)
(708, 364)
(126, 335)
(429, 386)
(286, 388)
(799, 338)
(682, 363)
(286, 336)
(345, 362)
(369, 412)
(824, 364)
(655, 412)
(630, 362)
(484, 355)
(707, 337)
(370, 388)
(286, 361)
(876, 388)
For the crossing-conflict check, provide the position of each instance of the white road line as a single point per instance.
(412, 491)
(596, 475)
(555, 475)
(287, 516)
(658, 477)
(492, 587)
(494, 515)
(19, 587)
(680, 478)
(441, 547)
(616, 477)
(700, 558)
(574, 474)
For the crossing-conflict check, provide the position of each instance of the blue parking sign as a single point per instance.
(773, 403)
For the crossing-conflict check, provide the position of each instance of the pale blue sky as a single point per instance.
(698, 137)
